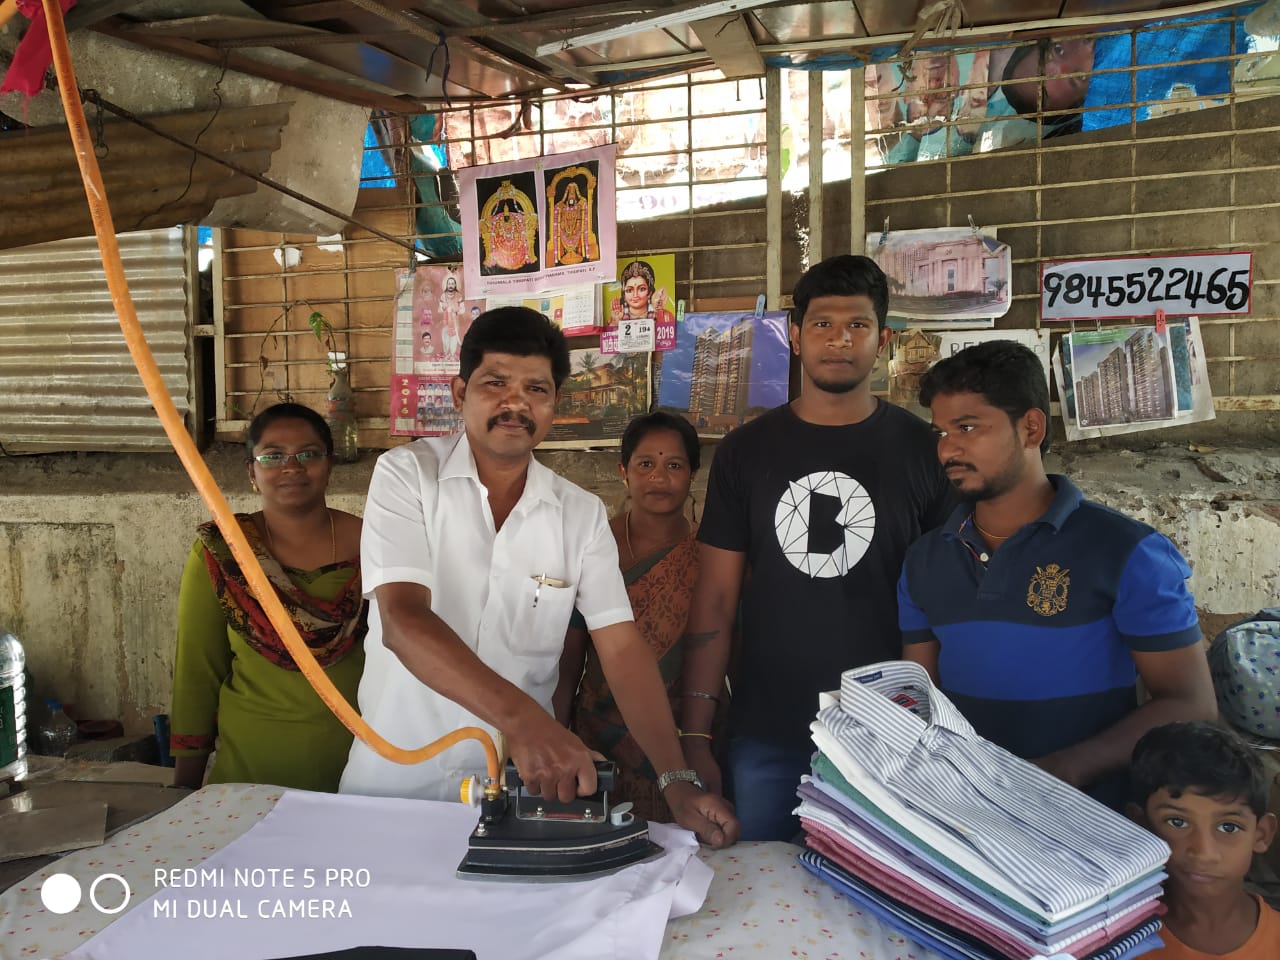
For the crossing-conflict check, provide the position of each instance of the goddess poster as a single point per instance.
(532, 225)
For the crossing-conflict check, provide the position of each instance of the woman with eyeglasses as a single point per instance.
(235, 685)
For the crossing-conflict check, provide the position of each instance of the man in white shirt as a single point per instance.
(473, 556)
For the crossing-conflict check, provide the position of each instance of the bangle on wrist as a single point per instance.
(689, 733)
(700, 695)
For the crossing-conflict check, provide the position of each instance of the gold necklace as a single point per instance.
(990, 536)
(333, 539)
(626, 533)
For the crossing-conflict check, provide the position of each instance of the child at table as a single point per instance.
(1201, 789)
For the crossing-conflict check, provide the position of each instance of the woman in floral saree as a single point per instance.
(658, 556)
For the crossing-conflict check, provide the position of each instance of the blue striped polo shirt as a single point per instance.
(1035, 637)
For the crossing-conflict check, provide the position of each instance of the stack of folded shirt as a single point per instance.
(961, 846)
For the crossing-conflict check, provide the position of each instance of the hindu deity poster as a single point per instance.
(645, 289)
(533, 225)
(432, 316)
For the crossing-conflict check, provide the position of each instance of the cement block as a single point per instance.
(992, 172)
(1085, 165)
(1182, 155)
(1256, 187)
(1068, 240)
(1098, 200)
(745, 227)
(1185, 193)
(1187, 231)
(1254, 148)
(1259, 339)
(1256, 226)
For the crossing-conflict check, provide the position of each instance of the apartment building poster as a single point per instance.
(1129, 379)
(599, 398)
(432, 315)
(538, 224)
(725, 369)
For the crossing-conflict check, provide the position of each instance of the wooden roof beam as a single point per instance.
(728, 41)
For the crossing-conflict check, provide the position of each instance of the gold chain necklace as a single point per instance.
(990, 536)
(333, 539)
(626, 533)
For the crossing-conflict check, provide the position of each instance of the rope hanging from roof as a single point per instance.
(942, 18)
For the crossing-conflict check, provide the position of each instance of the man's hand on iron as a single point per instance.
(552, 761)
(709, 816)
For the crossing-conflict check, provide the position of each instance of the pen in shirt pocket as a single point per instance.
(541, 579)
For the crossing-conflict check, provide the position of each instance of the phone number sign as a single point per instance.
(1203, 284)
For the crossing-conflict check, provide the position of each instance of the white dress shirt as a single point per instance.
(428, 521)
(1051, 844)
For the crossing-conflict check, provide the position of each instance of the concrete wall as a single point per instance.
(92, 547)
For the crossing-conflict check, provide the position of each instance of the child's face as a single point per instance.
(1213, 839)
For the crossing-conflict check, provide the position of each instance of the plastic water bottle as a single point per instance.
(13, 708)
(59, 732)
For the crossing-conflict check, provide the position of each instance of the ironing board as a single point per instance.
(761, 902)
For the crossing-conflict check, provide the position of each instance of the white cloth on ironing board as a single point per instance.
(411, 849)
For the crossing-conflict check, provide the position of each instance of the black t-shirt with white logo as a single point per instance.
(824, 515)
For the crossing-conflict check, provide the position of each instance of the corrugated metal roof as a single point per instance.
(150, 182)
(370, 51)
(67, 381)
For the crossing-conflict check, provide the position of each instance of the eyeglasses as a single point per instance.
(273, 460)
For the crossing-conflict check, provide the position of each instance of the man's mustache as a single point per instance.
(519, 418)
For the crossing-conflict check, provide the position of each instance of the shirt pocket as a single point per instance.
(540, 613)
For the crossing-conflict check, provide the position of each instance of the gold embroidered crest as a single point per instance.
(1047, 591)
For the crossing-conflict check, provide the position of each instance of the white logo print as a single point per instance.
(857, 515)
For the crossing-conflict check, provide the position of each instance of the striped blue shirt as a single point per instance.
(1048, 841)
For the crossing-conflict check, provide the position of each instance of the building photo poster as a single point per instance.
(912, 352)
(599, 398)
(1129, 379)
(725, 369)
(948, 277)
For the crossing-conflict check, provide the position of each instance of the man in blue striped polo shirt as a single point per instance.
(1034, 609)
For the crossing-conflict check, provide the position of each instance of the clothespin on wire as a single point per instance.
(884, 234)
(974, 227)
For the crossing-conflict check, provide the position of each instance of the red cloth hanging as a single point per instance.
(32, 57)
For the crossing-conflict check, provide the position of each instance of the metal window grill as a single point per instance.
(722, 174)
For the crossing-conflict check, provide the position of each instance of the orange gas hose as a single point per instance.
(171, 420)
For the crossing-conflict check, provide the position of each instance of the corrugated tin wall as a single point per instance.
(67, 381)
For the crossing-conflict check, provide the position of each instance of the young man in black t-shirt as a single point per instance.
(814, 504)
